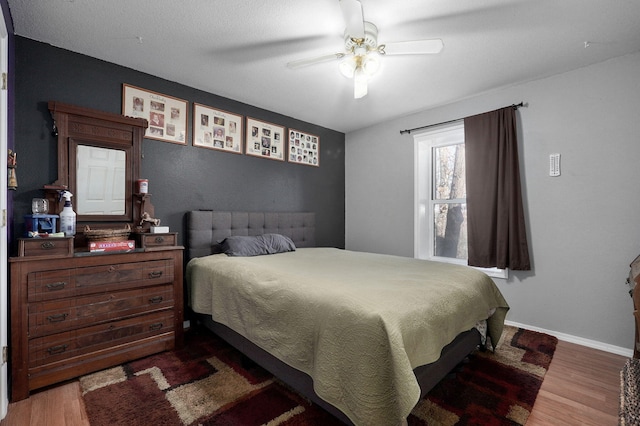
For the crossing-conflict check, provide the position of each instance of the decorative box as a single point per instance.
(106, 246)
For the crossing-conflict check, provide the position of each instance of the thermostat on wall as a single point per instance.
(554, 165)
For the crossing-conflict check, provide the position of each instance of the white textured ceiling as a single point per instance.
(239, 48)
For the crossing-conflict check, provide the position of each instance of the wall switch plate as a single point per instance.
(554, 165)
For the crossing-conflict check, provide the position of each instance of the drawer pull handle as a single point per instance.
(56, 286)
(156, 326)
(54, 350)
(57, 317)
(155, 274)
(159, 240)
(156, 299)
(48, 245)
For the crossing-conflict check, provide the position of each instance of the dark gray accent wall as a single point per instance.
(181, 177)
(6, 13)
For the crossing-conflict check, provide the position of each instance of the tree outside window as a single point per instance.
(449, 201)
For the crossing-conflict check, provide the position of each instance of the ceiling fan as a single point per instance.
(361, 56)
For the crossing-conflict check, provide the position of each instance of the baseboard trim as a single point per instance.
(618, 350)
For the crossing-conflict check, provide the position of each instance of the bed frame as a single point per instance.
(205, 228)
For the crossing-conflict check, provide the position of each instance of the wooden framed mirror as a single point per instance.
(98, 162)
(100, 176)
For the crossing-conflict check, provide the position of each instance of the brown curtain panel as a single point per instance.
(495, 216)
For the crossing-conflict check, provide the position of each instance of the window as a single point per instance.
(440, 197)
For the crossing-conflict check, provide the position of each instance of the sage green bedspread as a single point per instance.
(357, 323)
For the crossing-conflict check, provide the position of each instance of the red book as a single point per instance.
(126, 245)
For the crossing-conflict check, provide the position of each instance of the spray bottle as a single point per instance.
(67, 215)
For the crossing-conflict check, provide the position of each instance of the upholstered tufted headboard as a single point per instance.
(205, 228)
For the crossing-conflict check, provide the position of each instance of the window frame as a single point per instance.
(424, 143)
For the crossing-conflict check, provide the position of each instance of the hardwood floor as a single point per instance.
(58, 406)
(582, 387)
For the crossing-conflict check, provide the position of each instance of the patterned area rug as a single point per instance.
(207, 383)
(630, 393)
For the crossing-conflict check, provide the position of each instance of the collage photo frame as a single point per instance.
(167, 115)
(303, 148)
(264, 139)
(217, 129)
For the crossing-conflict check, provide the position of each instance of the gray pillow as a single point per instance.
(256, 246)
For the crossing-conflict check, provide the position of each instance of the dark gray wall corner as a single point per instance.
(181, 177)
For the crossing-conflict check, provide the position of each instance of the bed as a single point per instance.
(332, 323)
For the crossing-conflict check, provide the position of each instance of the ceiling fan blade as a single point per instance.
(353, 18)
(315, 60)
(415, 47)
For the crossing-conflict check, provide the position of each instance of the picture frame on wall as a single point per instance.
(217, 129)
(303, 148)
(264, 139)
(167, 115)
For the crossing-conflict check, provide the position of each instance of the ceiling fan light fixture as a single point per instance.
(360, 82)
(362, 54)
(348, 67)
(370, 64)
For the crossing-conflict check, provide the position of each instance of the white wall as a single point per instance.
(584, 226)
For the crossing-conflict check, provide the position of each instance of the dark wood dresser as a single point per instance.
(634, 283)
(78, 314)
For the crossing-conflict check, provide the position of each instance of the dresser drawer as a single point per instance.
(149, 241)
(61, 346)
(48, 247)
(55, 316)
(58, 284)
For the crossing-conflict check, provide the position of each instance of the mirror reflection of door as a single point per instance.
(100, 181)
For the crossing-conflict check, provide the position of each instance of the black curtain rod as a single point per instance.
(402, 132)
